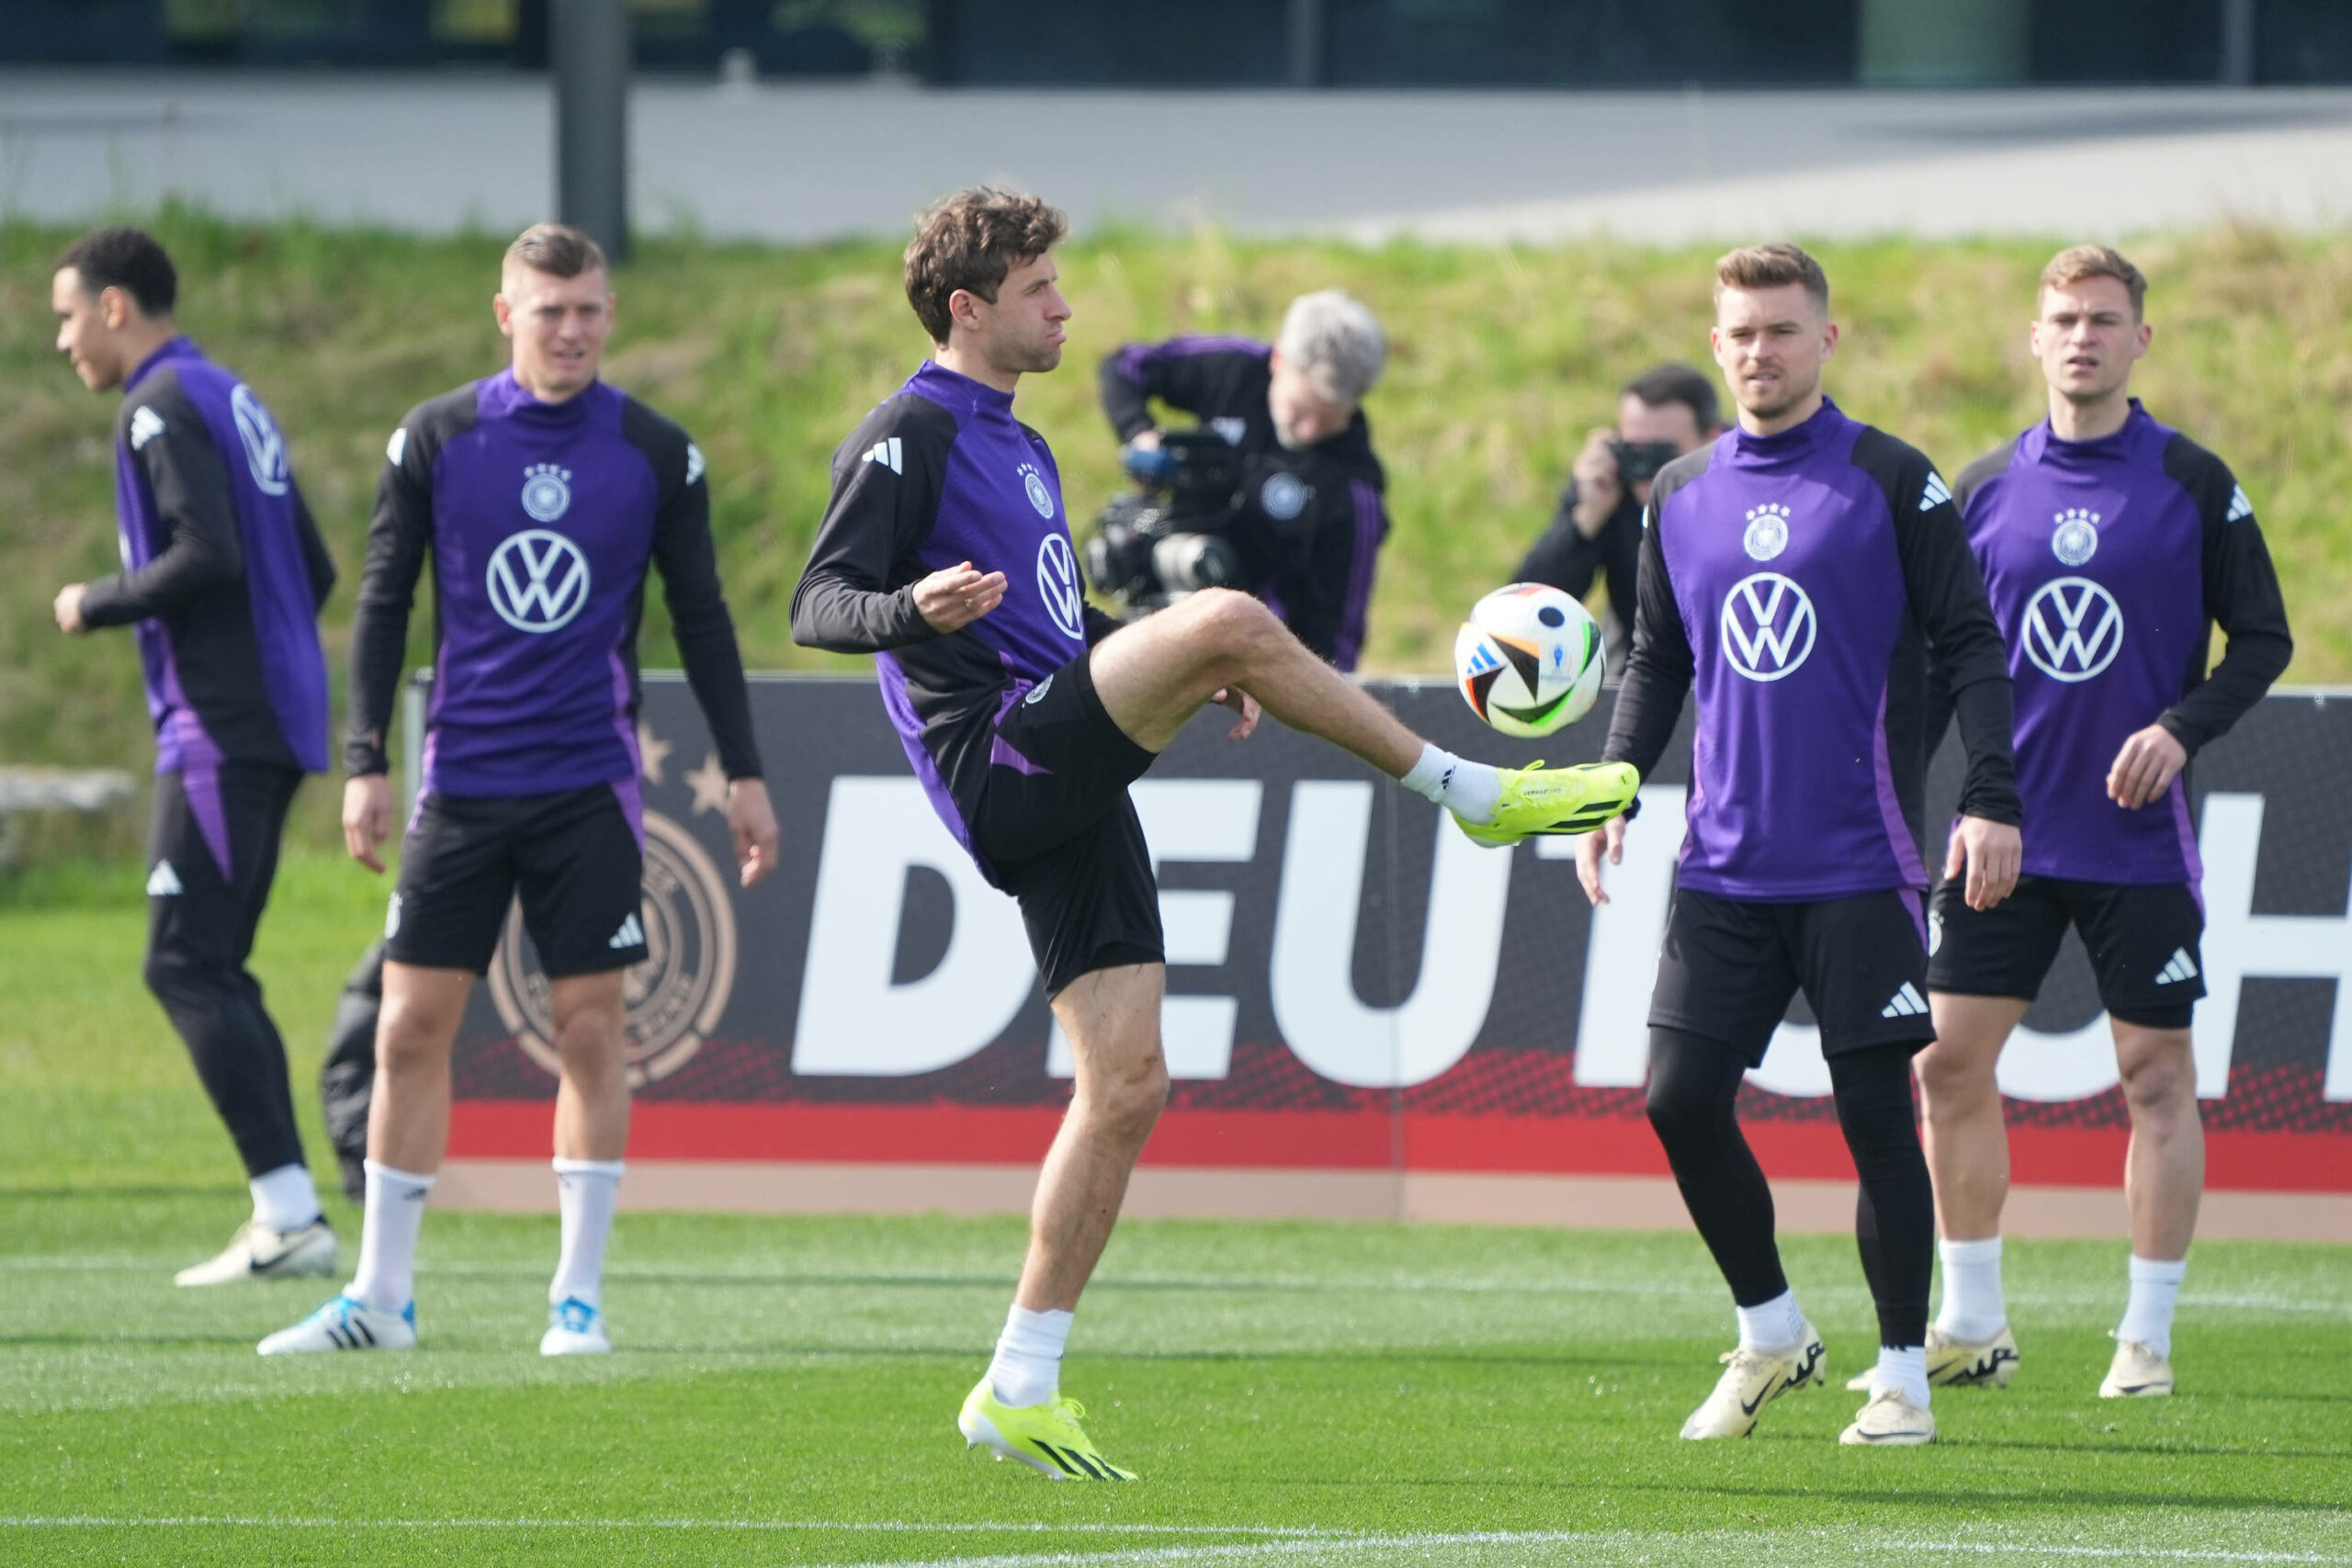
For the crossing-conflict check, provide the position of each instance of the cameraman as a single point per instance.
(1306, 520)
(1662, 414)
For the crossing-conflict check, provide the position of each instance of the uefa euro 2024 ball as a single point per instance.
(1528, 660)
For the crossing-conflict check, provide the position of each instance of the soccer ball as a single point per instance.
(1528, 660)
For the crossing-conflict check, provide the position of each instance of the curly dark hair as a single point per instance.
(127, 259)
(969, 242)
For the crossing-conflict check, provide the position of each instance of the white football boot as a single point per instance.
(574, 1328)
(1890, 1421)
(256, 1252)
(345, 1324)
(1958, 1363)
(1753, 1379)
(2138, 1372)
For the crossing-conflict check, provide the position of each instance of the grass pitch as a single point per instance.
(785, 1390)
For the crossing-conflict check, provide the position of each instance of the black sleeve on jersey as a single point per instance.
(1948, 605)
(1099, 625)
(687, 558)
(856, 595)
(1938, 706)
(190, 482)
(317, 564)
(2241, 594)
(1318, 593)
(1561, 555)
(1659, 671)
(1206, 383)
(400, 537)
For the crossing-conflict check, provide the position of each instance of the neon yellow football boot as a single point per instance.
(1555, 800)
(1046, 1437)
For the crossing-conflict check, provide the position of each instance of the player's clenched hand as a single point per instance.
(1243, 704)
(366, 817)
(750, 820)
(1610, 839)
(956, 596)
(2146, 768)
(67, 607)
(1989, 853)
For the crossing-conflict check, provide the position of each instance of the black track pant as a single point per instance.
(1694, 1081)
(212, 855)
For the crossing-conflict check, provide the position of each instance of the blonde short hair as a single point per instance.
(1773, 266)
(2076, 262)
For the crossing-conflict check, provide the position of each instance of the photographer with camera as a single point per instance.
(1277, 492)
(1663, 413)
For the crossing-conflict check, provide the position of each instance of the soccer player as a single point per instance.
(1792, 575)
(1309, 520)
(2111, 545)
(542, 495)
(946, 553)
(223, 575)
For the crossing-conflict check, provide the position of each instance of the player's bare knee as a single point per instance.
(407, 1042)
(1953, 1079)
(1127, 1095)
(2158, 1076)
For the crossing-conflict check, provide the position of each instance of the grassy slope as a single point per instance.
(1504, 357)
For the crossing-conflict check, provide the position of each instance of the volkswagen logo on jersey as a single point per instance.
(1768, 627)
(1057, 585)
(1283, 496)
(537, 580)
(2077, 539)
(1768, 531)
(265, 448)
(1035, 483)
(2074, 628)
(547, 492)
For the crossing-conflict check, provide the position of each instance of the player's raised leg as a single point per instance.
(590, 1135)
(1112, 1017)
(1154, 676)
(2164, 1180)
(1971, 1342)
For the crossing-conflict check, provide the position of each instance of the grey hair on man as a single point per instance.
(1335, 341)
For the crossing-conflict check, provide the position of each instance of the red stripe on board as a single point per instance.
(963, 1134)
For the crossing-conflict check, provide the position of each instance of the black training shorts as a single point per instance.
(1057, 825)
(1730, 968)
(2143, 941)
(574, 857)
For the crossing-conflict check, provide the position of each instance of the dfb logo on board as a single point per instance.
(1057, 585)
(675, 998)
(537, 580)
(265, 447)
(1767, 627)
(2074, 628)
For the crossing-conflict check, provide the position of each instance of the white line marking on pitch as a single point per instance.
(871, 1527)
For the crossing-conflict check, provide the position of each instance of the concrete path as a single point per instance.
(819, 161)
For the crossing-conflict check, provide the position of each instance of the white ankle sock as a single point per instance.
(284, 1198)
(1028, 1365)
(1776, 1325)
(2147, 1314)
(1467, 789)
(387, 1277)
(1973, 1309)
(586, 1191)
(1904, 1368)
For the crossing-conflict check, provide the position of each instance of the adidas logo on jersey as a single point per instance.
(2239, 505)
(2178, 967)
(1935, 495)
(632, 934)
(693, 462)
(146, 425)
(163, 882)
(1906, 1003)
(890, 453)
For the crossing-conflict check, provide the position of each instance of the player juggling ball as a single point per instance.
(1793, 575)
(946, 552)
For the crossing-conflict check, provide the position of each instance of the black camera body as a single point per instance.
(1639, 460)
(1150, 548)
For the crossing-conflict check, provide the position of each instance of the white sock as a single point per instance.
(387, 1277)
(586, 1191)
(1467, 789)
(2147, 1314)
(284, 1198)
(1906, 1369)
(1028, 1365)
(1973, 1309)
(1776, 1325)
